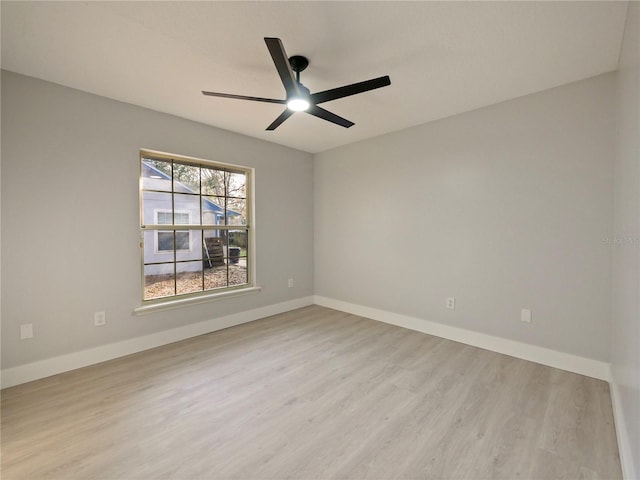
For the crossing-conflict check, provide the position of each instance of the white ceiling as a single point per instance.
(443, 58)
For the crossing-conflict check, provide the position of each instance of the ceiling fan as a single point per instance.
(298, 96)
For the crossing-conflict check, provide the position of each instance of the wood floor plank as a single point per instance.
(310, 394)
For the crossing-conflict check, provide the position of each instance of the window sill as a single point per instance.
(183, 302)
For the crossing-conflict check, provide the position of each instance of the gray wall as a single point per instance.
(625, 344)
(503, 208)
(70, 225)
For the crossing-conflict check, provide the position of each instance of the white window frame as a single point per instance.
(178, 300)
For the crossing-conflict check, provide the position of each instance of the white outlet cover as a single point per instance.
(525, 315)
(99, 319)
(26, 331)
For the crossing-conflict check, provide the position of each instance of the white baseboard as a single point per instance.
(544, 356)
(572, 363)
(64, 363)
(624, 445)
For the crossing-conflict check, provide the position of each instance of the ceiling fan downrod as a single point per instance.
(298, 64)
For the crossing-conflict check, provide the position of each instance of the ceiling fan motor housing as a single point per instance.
(298, 63)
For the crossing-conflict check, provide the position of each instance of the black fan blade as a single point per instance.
(328, 116)
(244, 97)
(278, 121)
(280, 59)
(349, 90)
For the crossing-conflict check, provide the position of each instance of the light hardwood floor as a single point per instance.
(311, 394)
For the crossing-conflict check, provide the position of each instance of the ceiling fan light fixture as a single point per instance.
(298, 104)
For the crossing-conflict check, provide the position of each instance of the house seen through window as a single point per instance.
(195, 220)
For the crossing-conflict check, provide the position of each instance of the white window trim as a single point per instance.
(170, 303)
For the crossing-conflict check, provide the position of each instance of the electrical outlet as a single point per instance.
(525, 315)
(451, 303)
(99, 319)
(26, 331)
(290, 283)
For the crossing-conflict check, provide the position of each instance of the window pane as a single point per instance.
(187, 209)
(189, 277)
(237, 257)
(213, 181)
(156, 174)
(181, 218)
(164, 218)
(189, 245)
(239, 239)
(186, 178)
(214, 208)
(236, 211)
(151, 254)
(159, 281)
(211, 217)
(165, 241)
(238, 273)
(215, 277)
(213, 211)
(213, 248)
(152, 204)
(236, 185)
(183, 240)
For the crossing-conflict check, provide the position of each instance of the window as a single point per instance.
(195, 218)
